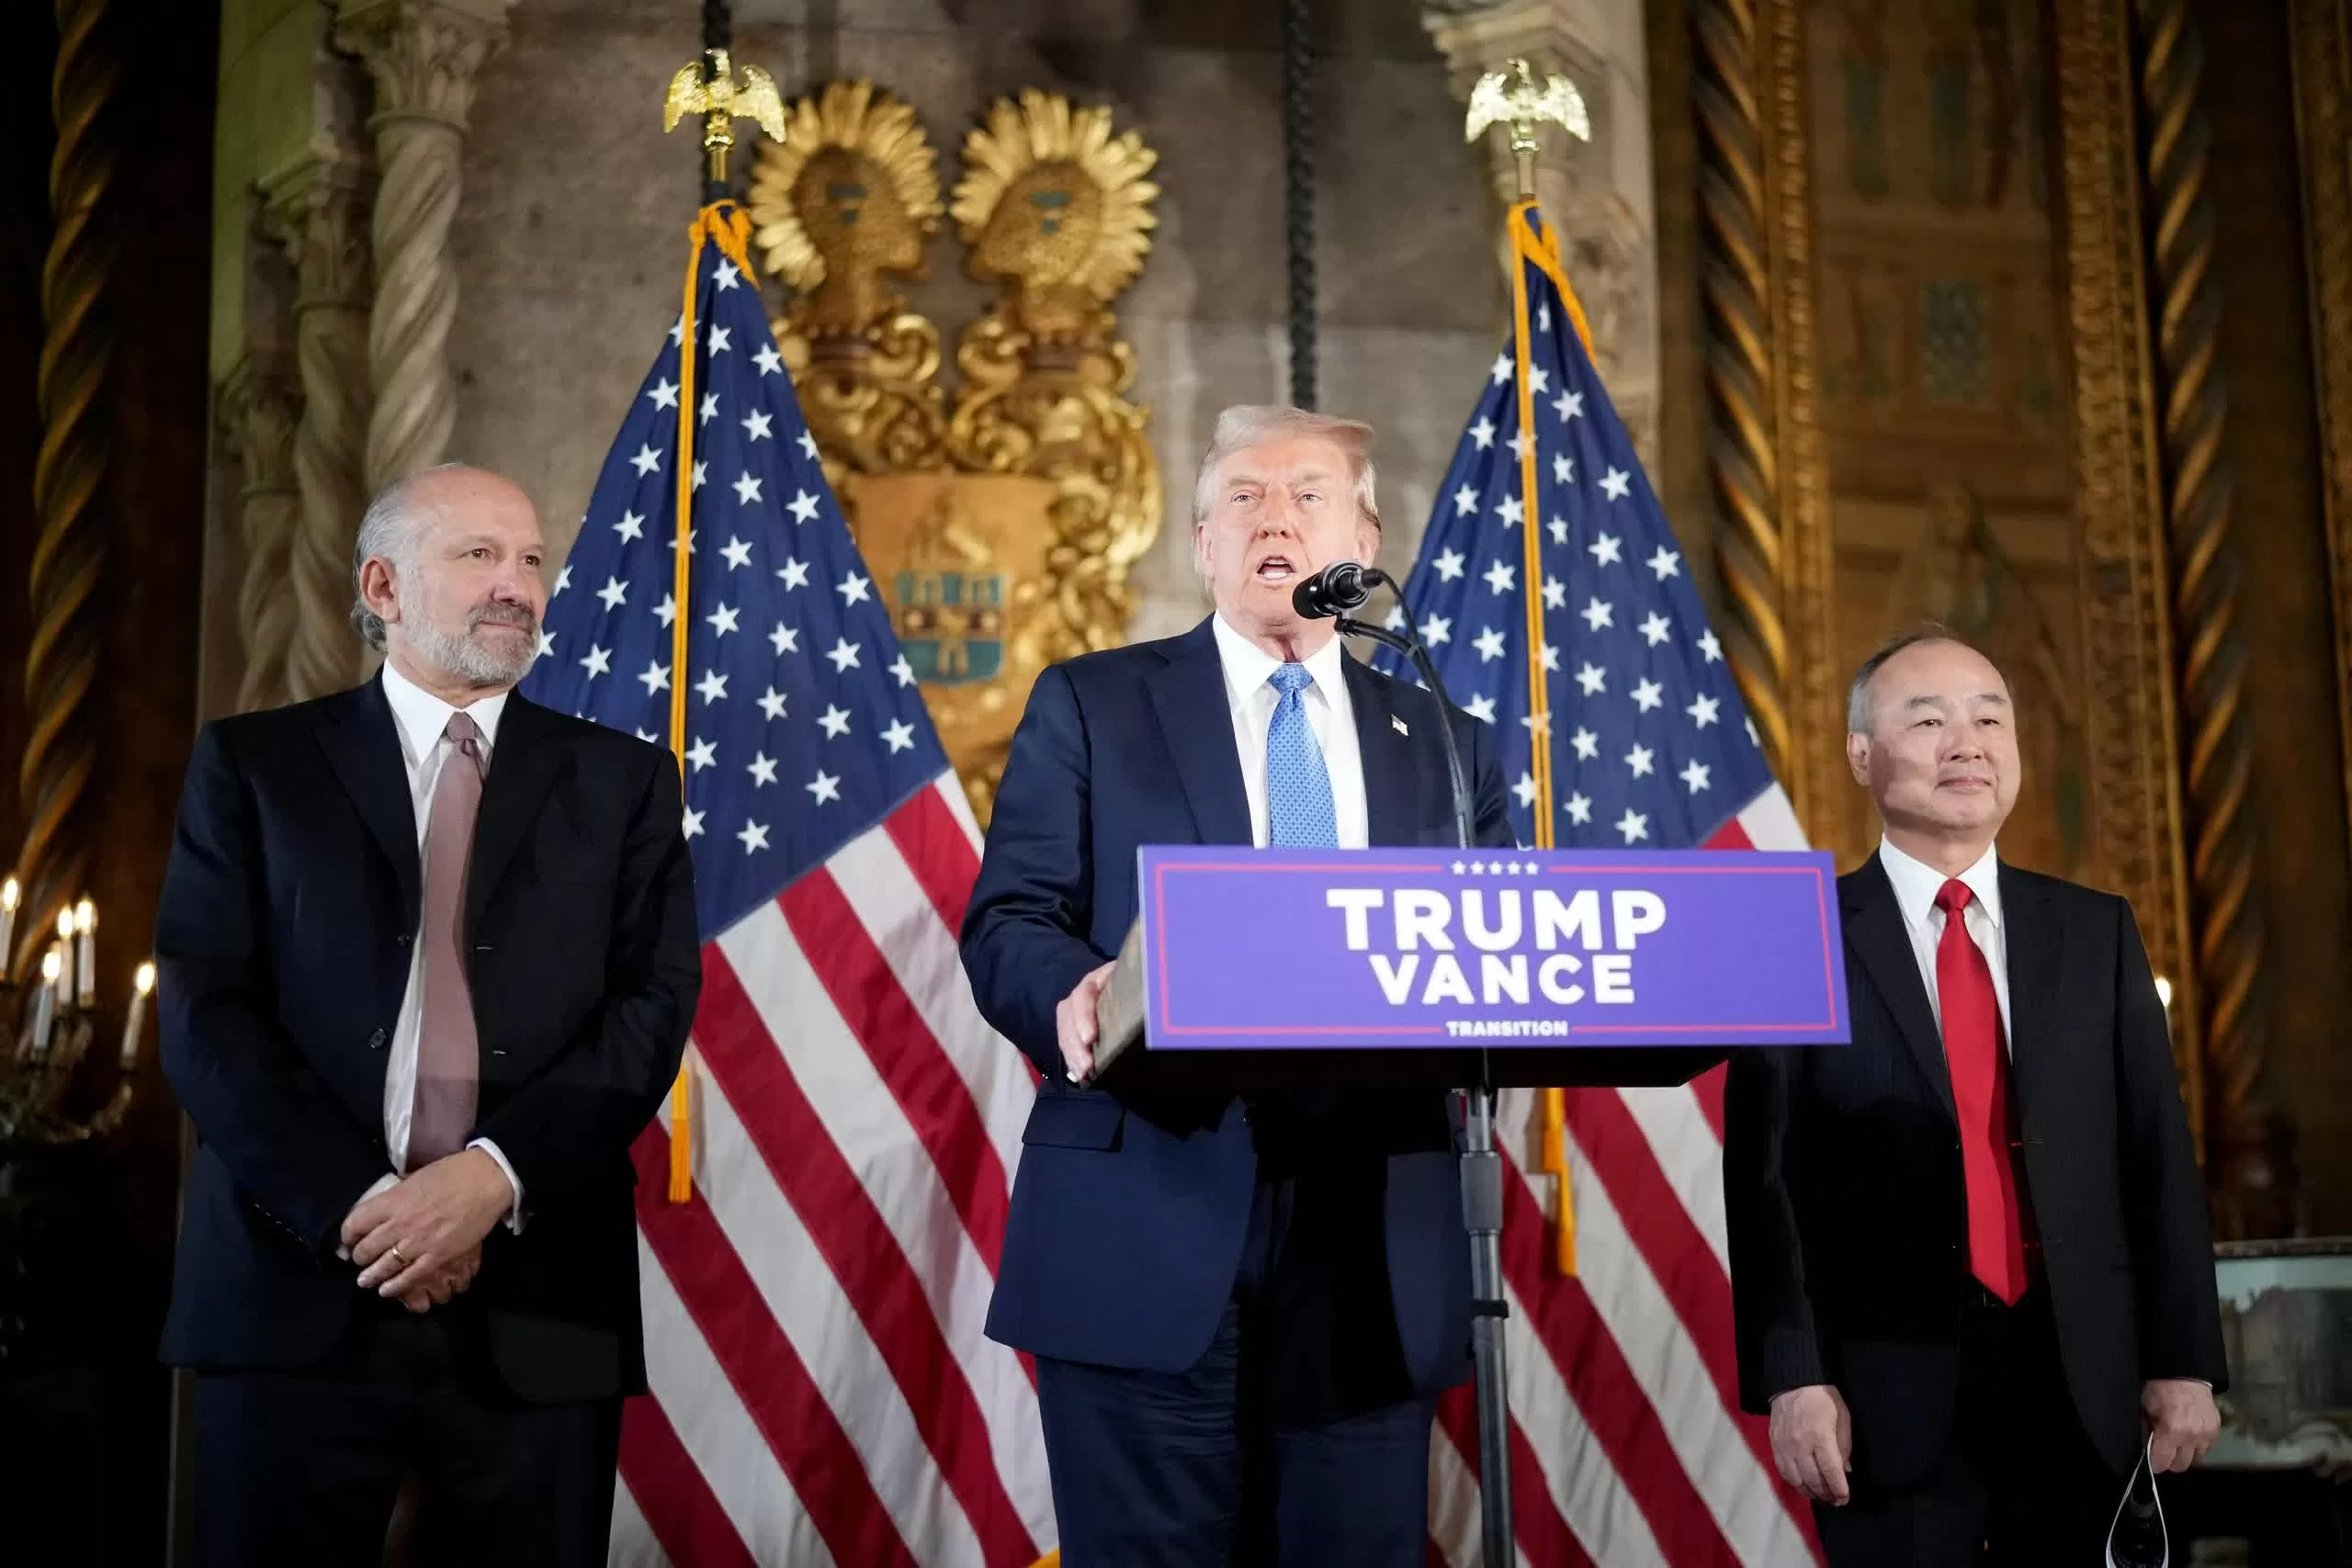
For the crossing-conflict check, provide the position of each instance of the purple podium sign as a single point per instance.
(1295, 949)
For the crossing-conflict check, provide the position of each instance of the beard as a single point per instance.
(469, 655)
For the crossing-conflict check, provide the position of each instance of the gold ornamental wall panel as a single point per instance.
(1001, 516)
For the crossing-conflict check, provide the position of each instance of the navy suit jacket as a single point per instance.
(1130, 1210)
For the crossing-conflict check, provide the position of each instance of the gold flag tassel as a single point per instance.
(718, 99)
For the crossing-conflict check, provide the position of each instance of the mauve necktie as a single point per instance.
(449, 1056)
(1298, 782)
(1980, 1095)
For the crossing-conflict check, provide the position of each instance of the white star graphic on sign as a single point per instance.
(701, 755)
(1502, 368)
(1520, 444)
(1435, 631)
(614, 593)
(899, 735)
(726, 276)
(1448, 564)
(807, 444)
(1655, 628)
(763, 770)
(666, 611)
(693, 817)
(598, 663)
(1702, 710)
(852, 589)
(702, 473)
(1459, 868)
(1525, 789)
(1666, 563)
(718, 341)
(772, 703)
(1586, 743)
(1483, 433)
(1568, 405)
(1465, 502)
(1556, 593)
(835, 721)
(754, 837)
(783, 639)
(738, 554)
(1598, 614)
(1633, 825)
(756, 425)
(803, 508)
(631, 526)
(1695, 775)
(664, 393)
(1501, 578)
(1615, 483)
(1607, 549)
(795, 574)
(747, 487)
(656, 678)
(713, 687)
(1481, 707)
(825, 787)
(903, 670)
(1642, 761)
(843, 653)
(1538, 378)
(768, 360)
(1510, 511)
(1579, 809)
(647, 460)
(1709, 646)
(1489, 644)
(1593, 679)
(1648, 694)
(1564, 469)
(723, 619)
(710, 408)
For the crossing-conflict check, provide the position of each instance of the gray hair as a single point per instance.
(1247, 424)
(388, 530)
(1858, 695)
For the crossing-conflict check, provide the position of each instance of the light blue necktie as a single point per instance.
(1298, 785)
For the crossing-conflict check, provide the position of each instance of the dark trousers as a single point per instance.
(304, 1467)
(1296, 1441)
(2017, 1485)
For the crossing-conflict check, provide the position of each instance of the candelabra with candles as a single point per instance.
(56, 1024)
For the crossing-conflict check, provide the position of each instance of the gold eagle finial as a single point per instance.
(720, 101)
(1514, 97)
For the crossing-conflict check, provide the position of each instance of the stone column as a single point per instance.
(258, 408)
(423, 56)
(318, 210)
(1598, 194)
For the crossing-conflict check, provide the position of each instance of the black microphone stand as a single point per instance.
(1482, 1167)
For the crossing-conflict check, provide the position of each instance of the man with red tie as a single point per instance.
(1971, 1272)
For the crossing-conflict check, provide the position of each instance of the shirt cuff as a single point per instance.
(515, 1214)
(384, 1184)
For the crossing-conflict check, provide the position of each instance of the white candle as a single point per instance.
(133, 1025)
(64, 951)
(11, 895)
(86, 953)
(45, 1000)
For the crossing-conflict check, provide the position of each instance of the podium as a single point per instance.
(1471, 970)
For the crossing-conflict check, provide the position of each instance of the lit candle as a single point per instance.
(86, 953)
(133, 1026)
(10, 896)
(65, 950)
(45, 1000)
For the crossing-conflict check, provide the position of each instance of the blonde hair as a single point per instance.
(1250, 424)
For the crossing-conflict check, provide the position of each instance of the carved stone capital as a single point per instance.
(260, 406)
(424, 55)
(317, 209)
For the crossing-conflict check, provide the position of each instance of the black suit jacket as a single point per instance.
(1846, 1202)
(282, 948)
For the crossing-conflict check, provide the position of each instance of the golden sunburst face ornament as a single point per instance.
(1055, 205)
(851, 193)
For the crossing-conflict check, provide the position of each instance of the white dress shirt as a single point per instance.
(423, 720)
(1915, 886)
(1328, 714)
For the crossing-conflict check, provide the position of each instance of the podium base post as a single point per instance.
(1482, 1213)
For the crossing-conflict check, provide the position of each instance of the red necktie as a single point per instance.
(1979, 1094)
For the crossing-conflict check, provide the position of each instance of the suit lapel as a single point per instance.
(523, 766)
(1388, 757)
(363, 746)
(2035, 939)
(1188, 694)
(1874, 931)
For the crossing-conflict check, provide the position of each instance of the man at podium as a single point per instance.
(1242, 1305)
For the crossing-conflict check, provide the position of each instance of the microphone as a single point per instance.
(1339, 588)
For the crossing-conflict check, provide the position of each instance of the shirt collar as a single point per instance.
(1917, 882)
(421, 717)
(1247, 667)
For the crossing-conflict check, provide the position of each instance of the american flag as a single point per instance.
(821, 1391)
(1628, 1447)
